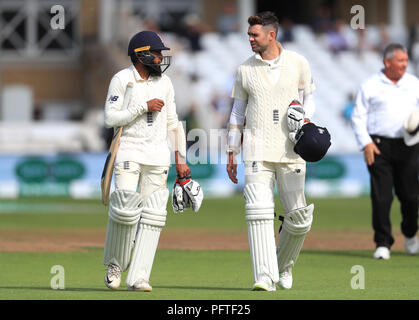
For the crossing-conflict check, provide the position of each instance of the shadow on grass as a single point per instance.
(125, 289)
(347, 253)
(352, 253)
(57, 290)
(201, 288)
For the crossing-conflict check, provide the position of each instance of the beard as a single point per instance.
(154, 70)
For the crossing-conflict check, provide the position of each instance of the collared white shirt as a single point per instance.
(382, 106)
(272, 67)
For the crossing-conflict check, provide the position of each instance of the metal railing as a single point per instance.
(28, 30)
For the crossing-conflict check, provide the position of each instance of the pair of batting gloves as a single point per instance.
(186, 193)
(295, 119)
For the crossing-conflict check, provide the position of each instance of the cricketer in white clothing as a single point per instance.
(142, 162)
(264, 89)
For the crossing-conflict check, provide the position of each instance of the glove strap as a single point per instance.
(184, 180)
(295, 103)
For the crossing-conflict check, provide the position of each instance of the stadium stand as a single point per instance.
(203, 80)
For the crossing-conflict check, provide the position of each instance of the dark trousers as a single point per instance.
(396, 167)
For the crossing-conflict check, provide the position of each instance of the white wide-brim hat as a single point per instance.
(411, 128)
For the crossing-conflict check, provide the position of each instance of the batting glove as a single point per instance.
(193, 191)
(292, 136)
(180, 199)
(295, 116)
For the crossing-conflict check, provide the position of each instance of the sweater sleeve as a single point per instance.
(115, 116)
(306, 78)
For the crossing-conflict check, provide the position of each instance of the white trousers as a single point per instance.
(289, 179)
(145, 179)
(260, 181)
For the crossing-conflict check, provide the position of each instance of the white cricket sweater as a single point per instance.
(265, 136)
(144, 137)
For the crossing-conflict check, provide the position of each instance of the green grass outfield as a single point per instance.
(201, 275)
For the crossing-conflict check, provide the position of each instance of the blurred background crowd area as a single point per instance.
(53, 83)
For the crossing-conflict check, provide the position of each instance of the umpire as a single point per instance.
(382, 105)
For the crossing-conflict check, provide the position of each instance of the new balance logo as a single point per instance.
(113, 99)
(254, 166)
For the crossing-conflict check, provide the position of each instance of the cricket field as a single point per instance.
(51, 249)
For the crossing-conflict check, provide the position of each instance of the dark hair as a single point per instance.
(391, 48)
(265, 18)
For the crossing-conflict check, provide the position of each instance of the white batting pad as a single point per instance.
(262, 249)
(260, 223)
(259, 201)
(125, 207)
(153, 219)
(154, 210)
(296, 225)
(124, 214)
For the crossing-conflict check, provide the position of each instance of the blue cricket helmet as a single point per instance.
(145, 41)
(140, 48)
(312, 142)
